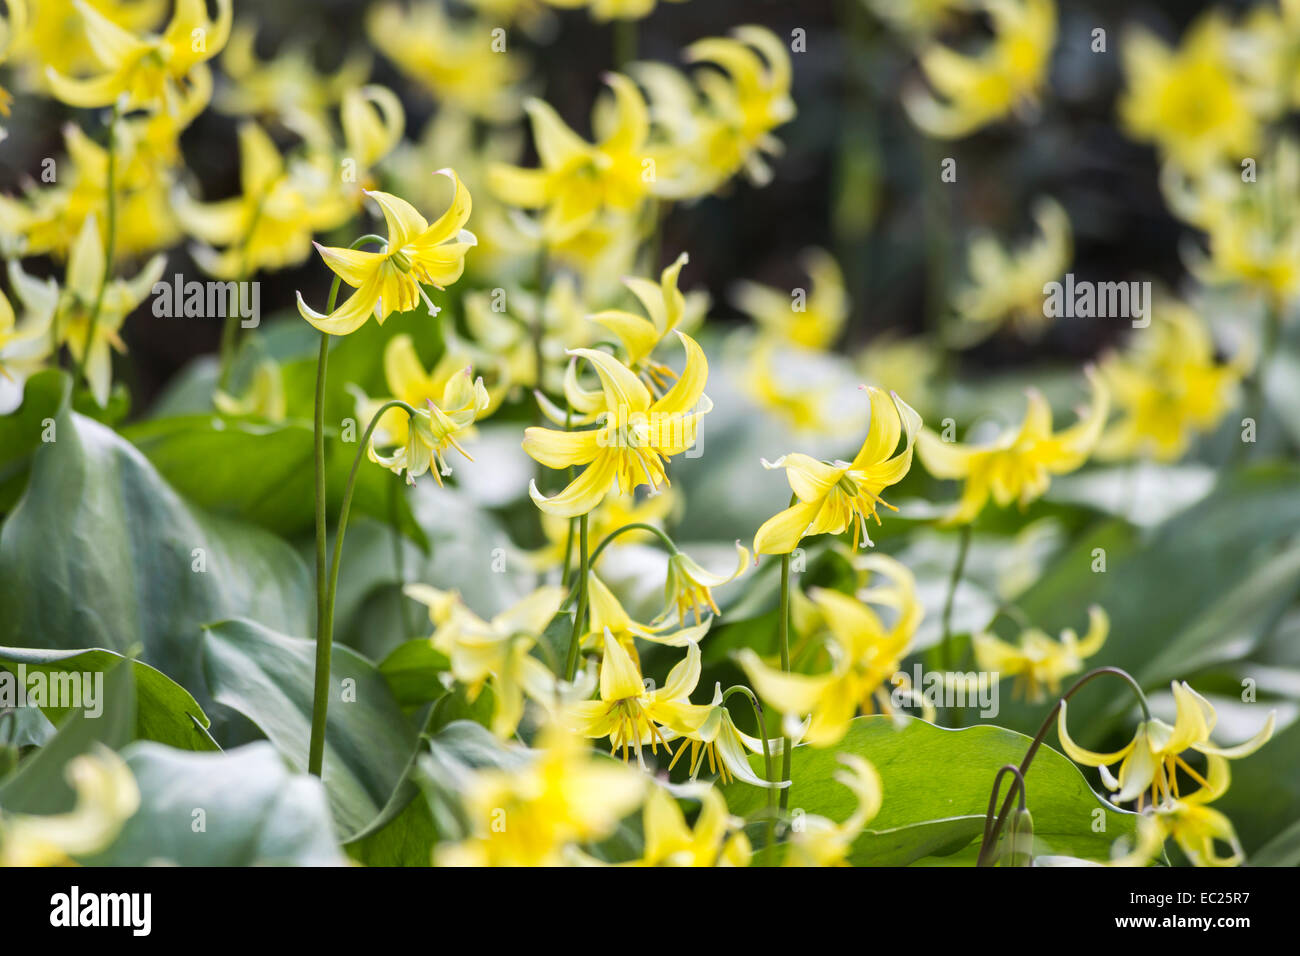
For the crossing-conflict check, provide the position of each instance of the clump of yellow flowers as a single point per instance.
(532, 311)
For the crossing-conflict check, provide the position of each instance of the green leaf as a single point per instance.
(263, 473)
(238, 808)
(102, 552)
(413, 672)
(45, 396)
(936, 785)
(165, 711)
(39, 784)
(268, 677)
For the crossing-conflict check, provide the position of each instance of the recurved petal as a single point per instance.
(583, 493)
(789, 693)
(1244, 749)
(404, 223)
(353, 266)
(620, 678)
(688, 388)
(557, 449)
(781, 533)
(1090, 758)
(944, 459)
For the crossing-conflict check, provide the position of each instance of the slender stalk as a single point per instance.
(992, 834)
(634, 526)
(580, 612)
(783, 637)
(767, 759)
(624, 43)
(324, 631)
(324, 647)
(945, 640)
(320, 697)
(110, 245)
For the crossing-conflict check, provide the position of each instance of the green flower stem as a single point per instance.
(580, 612)
(320, 701)
(783, 633)
(634, 526)
(325, 633)
(110, 244)
(945, 640)
(624, 43)
(767, 760)
(992, 834)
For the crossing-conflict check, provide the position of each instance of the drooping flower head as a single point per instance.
(417, 253)
(151, 72)
(1150, 762)
(1009, 73)
(865, 655)
(1019, 464)
(1036, 661)
(635, 434)
(835, 496)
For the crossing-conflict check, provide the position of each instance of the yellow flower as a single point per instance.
(1197, 828)
(12, 26)
(1037, 661)
(265, 396)
(810, 318)
(107, 796)
(667, 307)
(416, 253)
(629, 447)
(55, 34)
(748, 96)
(26, 343)
(149, 71)
(49, 217)
(86, 274)
(865, 655)
(727, 747)
(1168, 386)
(822, 842)
(454, 60)
(578, 180)
(270, 225)
(632, 716)
(832, 497)
(1007, 284)
(716, 839)
(533, 815)
(1190, 101)
(1253, 230)
(1019, 464)
(609, 616)
(408, 381)
(1152, 759)
(974, 91)
(494, 652)
(689, 586)
(612, 9)
(431, 430)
